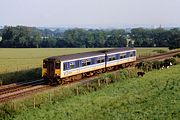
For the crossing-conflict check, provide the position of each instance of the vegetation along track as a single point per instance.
(159, 56)
(13, 91)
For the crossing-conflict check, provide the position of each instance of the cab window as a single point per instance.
(57, 65)
(45, 64)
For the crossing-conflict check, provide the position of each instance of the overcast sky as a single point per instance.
(89, 12)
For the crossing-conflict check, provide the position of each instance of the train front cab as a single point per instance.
(51, 70)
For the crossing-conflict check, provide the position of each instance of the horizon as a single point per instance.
(104, 26)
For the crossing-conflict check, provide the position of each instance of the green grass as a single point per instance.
(154, 96)
(22, 59)
(17, 64)
(150, 51)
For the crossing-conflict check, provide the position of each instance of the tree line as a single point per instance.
(31, 37)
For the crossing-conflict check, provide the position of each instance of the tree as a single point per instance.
(174, 38)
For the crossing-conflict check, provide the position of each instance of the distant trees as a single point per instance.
(28, 37)
(20, 37)
(173, 38)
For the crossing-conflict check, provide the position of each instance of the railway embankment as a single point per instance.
(121, 94)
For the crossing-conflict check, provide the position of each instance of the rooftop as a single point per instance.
(87, 54)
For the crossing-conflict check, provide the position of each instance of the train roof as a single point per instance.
(88, 54)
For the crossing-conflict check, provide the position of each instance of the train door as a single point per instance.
(50, 69)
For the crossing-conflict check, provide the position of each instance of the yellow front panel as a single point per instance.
(44, 71)
(57, 72)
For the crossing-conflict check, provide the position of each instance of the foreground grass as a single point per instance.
(154, 96)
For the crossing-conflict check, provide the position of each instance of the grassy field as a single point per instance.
(22, 59)
(20, 65)
(154, 96)
(12, 60)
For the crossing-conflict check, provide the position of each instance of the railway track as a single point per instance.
(13, 90)
(10, 92)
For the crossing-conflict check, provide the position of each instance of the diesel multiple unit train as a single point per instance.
(65, 68)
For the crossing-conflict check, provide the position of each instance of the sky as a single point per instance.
(56, 13)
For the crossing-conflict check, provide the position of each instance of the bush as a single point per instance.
(170, 60)
(157, 64)
(145, 65)
(177, 55)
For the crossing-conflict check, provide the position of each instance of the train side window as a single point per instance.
(72, 65)
(45, 64)
(131, 54)
(84, 63)
(98, 61)
(88, 61)
(103, 60)
(134, 53)
(113, 58)
(57, 65)
(110, 59)
(77, 63)
(122, 55)
(117, 56)
(93, 60)
(65, 66)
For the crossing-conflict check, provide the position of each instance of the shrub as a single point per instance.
(170, 60)
(157, 64)
(177, 55)
(145, 65)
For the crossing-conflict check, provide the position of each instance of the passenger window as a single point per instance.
(134, 53)
(84, 63)
(65, 66)
(113, 58)
(131, 54)
(98, 61)
(77, 64)
(88, 62)
(57, 65)
(123, 55)
(72, 65)
(110, 59)
(102, 60)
